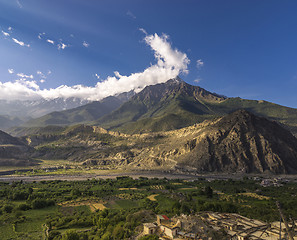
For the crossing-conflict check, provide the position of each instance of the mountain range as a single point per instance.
(176, 104)
(17, 112)
(170, 126)
(240, 142)
(162, 107)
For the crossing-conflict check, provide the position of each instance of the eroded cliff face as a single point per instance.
(238, 142)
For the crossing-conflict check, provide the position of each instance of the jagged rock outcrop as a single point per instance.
(242, 142)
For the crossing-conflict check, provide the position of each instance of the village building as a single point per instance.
(149, 228)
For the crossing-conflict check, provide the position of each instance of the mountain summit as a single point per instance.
(176, 104)
(164, 106)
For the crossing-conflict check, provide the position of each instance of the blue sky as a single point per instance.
(243, 48)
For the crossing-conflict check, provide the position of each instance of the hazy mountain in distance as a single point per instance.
(82, 114)
(7, 122)
(31, 109)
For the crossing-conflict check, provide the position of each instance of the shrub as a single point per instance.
(7, 208)
(24, 207)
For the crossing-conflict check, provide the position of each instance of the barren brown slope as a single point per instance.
(238, 142)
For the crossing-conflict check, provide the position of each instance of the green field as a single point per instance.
(60, 209)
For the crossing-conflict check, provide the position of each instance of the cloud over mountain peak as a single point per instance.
(169, 63)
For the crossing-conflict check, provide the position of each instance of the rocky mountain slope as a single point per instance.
(238, 142)
(14, 152)
(162, 107)
(176, 104)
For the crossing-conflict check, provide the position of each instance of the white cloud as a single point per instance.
(85, 44)
(130, 14)
(117, 74)
(11, 71)
(20, 43)
(169, 63)
(199, 63)
(198, 80)
(28, 84)
(167, 57)
(6, 34)
(19, 4)
(43, 76)
(50, 41)
(40, 74)
(17, 90)
(10, 29)
(62, 46)
(22, 75)
(143, 30)
(40, 35)
(97, 76)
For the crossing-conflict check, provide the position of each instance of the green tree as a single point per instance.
(7, 208)
(208, 192)
(70, 235)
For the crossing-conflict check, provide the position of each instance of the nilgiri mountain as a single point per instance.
(176, 104)
(161, 107)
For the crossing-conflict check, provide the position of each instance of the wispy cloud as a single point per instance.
(62, 46)
(43, 76)
(39, 73)
(40, 35)
(85, 44)
(170, 62)
(22, 75)
(198, 80)
(19, 4)
(143, 30)
(199, 63)
(20, 43)
(50, 41)
(97, 76)
(130, 14)
(6, 34)
(11, 71)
